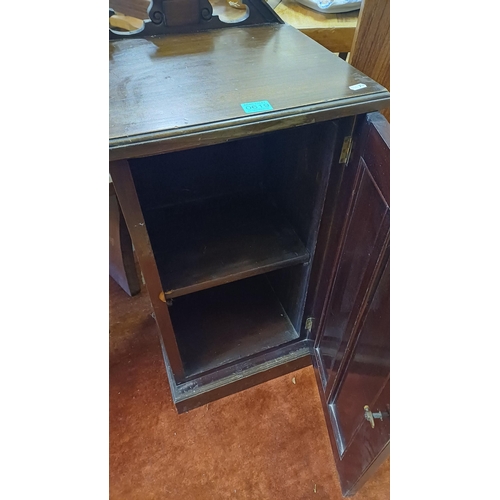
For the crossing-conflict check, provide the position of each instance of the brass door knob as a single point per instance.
(370, 416)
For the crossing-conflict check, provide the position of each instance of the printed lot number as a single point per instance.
(256, 107)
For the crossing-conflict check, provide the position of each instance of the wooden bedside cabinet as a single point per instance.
(255, 189)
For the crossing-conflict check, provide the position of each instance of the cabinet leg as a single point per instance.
(121, 255)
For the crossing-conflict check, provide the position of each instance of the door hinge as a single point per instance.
(309, 324)
(346, 150)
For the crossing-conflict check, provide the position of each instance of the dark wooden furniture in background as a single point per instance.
(262, 240)
(167, 17)
(121, 253)
(370, 52)
(333, 31)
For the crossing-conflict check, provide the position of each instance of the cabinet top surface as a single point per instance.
(166, 89)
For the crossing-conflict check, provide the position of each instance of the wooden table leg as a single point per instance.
(121, 254)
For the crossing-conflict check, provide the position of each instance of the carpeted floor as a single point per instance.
(268, 442)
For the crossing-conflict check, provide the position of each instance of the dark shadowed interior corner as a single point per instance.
(267, 442)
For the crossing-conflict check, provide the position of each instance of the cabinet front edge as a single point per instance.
(161, 142)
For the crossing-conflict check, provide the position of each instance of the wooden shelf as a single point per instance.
(206, 244)
(227, 323)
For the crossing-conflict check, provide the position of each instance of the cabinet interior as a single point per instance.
(233, 229)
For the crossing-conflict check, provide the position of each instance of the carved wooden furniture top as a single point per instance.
(180, 91)
(333, 31)
(165, 17)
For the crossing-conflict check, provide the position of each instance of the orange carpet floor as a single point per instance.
(268, 442)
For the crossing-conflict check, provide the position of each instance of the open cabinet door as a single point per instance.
(351, 350)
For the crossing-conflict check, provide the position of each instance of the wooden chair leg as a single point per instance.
(121, 255)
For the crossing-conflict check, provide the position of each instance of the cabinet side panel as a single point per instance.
(127, 196)
(301, 176)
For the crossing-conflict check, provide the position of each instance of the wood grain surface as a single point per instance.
(334, 31)
(165, 88)
(201, 245)
(139, 8)
(134, 8)
(371, 46)
(121, 254)
(252, 320)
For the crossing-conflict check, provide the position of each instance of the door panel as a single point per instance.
(367, 450)
(366, 227)
(368, 368)
(351, 354)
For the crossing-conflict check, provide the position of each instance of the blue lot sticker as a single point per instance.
(256, 107)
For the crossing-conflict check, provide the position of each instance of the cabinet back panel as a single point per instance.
(199, 174)
(228, 323)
